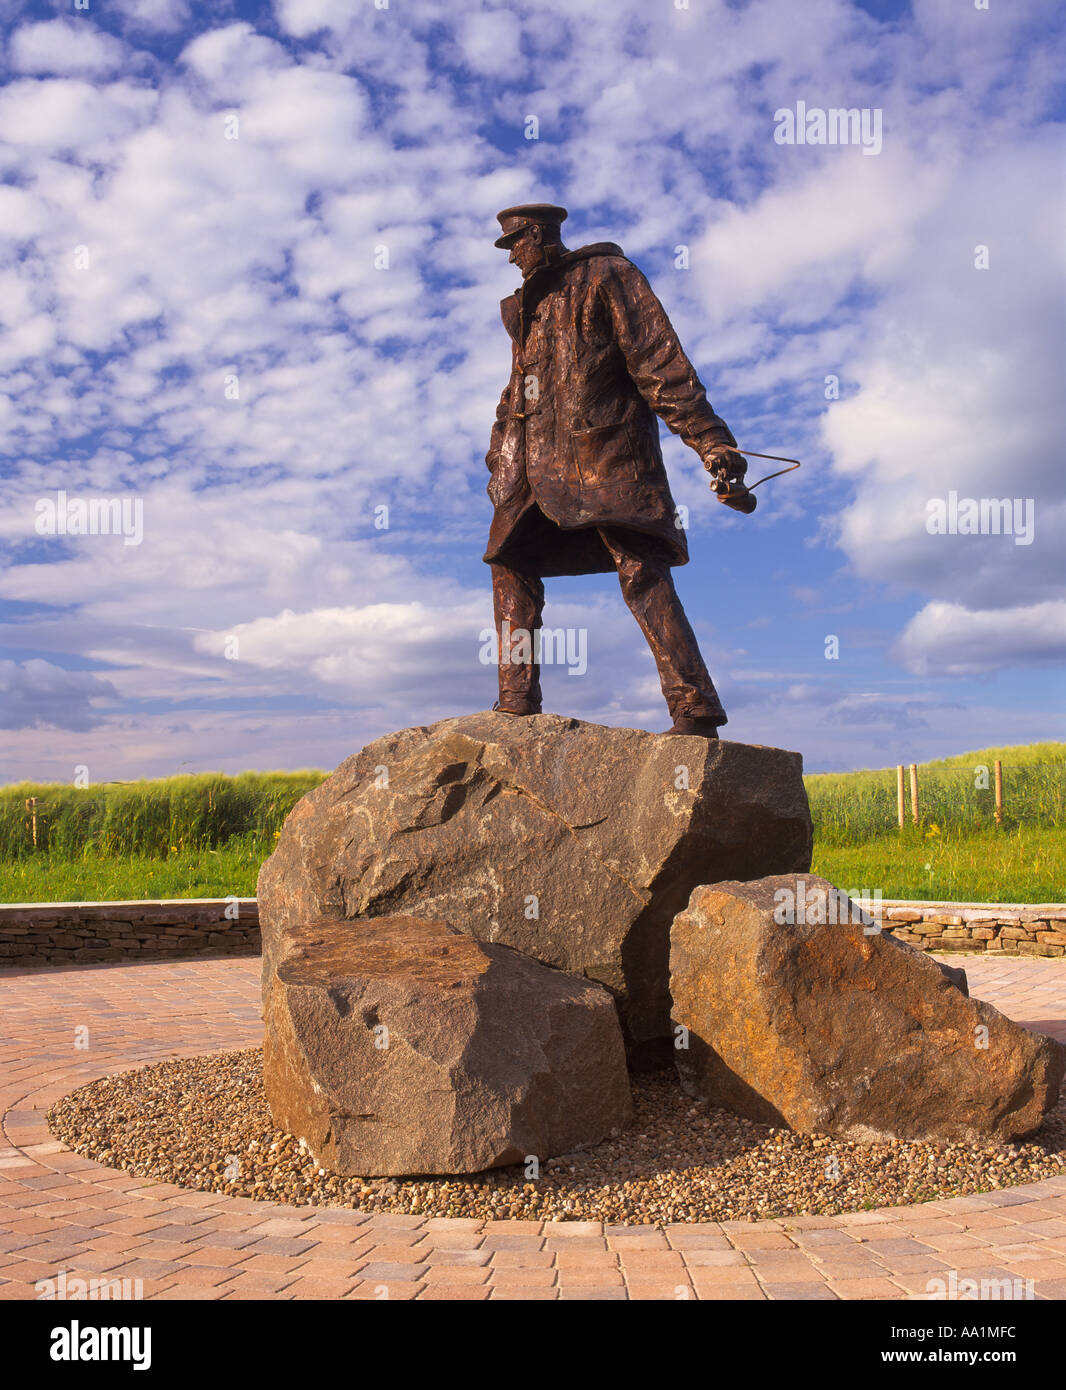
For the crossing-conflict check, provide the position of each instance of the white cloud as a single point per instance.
(255, 256)
(490, 41)
(62, 114)
(65, 46)
(946, 638)
(303, 17)
(153, 16)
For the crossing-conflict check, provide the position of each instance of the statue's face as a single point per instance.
(527, 251)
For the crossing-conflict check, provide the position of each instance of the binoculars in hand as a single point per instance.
(733, 493)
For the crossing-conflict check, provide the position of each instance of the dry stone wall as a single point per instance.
(36, 934)
(1008, 929)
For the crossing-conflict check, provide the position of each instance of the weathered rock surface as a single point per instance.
(575, 843)
(816, 1025)
(400, 1045)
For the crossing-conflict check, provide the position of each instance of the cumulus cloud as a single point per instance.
(68, 46)
(253, 285)
(153, 16)
(39, 695)
(950, 639)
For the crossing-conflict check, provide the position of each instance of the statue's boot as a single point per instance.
(687, 724)
(514, 705)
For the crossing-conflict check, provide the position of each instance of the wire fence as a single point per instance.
(849, 807)
(206, 811)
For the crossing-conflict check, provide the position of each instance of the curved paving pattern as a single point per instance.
(60, 1212)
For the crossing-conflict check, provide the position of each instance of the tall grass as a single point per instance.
(955, 795)
(154, 819)
(207, 834)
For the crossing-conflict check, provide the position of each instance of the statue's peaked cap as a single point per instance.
(514, 221)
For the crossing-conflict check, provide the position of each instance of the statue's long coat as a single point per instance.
(594, 360)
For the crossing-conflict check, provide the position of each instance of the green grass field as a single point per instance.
(190, 873)
(1024, 865)
(205, 836)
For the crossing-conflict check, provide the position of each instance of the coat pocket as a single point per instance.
(604, 456)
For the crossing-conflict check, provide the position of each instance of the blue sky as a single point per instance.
(150, 263)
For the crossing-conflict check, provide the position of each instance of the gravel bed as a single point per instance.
(203, 1122)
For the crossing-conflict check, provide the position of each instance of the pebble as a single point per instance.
(203, 1123)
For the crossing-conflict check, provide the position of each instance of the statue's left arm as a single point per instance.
(657, 363)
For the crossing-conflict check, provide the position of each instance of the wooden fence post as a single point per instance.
(999, 792)
(914, 793)
(901, 799)
(31, 806)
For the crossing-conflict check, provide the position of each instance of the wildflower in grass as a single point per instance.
(933, 831)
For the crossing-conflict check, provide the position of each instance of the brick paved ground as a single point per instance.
(62, 1212)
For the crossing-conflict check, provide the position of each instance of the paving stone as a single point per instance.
(184, 1235)
(396, 1290)
(824, 1236)
(202, 1275)
(282, 1245)
(450, 1256)
(522, 1259)
(228, 1240)
(247, 1285)
(111, 1224)
(809, 1292)
(945, 1244)
(535, 1278)
(885, 1249)
(864, 1288)
(382, 1271)
(391, 1254)
(328, 1269)
(1037, 1269)
(715, 1258)
(587, 1259)
(568, 1278)
(659, 1261)
(279, 1266)
(852, 1269)
(575, 1243)
(787, 1270)
(521, 1292)
(653, 1240)
(500, 1243)
(319, 1288)
(761, 1240)
(661, 1290)
(185, 1293)
(456, 1274)
(281, 1226)
(916, 1264)
(585, 1293)
(455, 1293)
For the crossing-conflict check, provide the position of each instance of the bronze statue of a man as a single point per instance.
(578, 483)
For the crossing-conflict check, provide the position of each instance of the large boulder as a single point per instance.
(575, 843)
(400, 1045)
(800, 1012)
